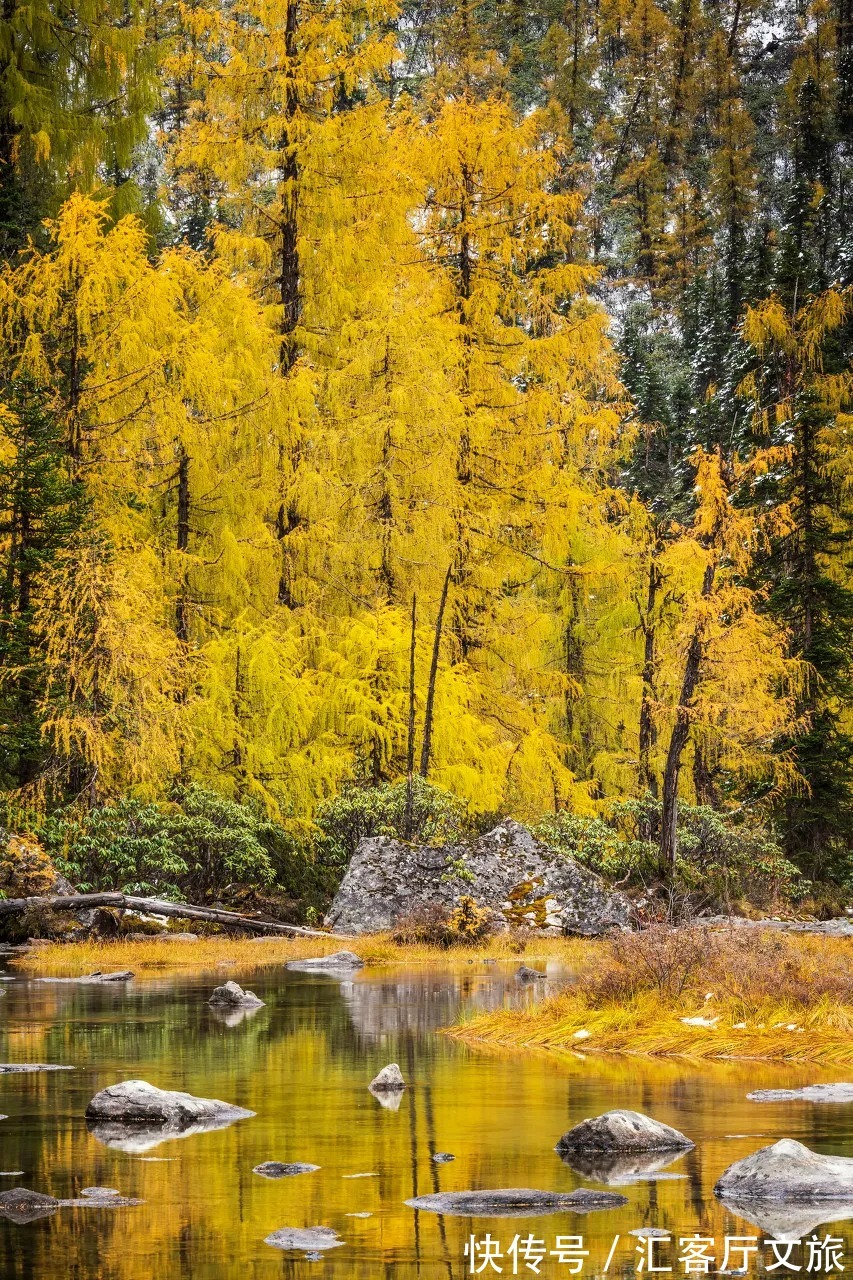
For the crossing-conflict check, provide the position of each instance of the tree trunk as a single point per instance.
(648, 731)
(154, 906)
(433, 672)
(678, 741)
(410, 746)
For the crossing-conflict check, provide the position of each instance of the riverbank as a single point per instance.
(695, 993)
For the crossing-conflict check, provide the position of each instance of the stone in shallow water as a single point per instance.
(788, 1172)
(649, 1233)
(811, 1093)
(232, 996)
(97, 978)
(515, 1202)
(524, 974)
(134, 1116)
(621, 1132)
(312, 1239)
(508, 870)
(21, 1205)
(13, 1068)
(277, 1169)
(338, 960)
(390, 1077)
(443, 1157)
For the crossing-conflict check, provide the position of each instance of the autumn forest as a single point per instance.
(437, 390)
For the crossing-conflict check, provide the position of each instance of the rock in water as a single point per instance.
(21, 1205)
(519, 878)
(622, 1132)
(811, 1093)
(443, 1157)
(389, 1078)
(232, 996)
(529, 975)
(312, 1239)
(515, 1202)
(788, 1172)
(136, 1100)
(276, 1169)
(337, 960)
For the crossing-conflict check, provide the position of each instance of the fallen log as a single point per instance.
(181, 910)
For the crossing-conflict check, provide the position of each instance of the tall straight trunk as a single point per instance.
(289, 278)
(410, 744)
(648, 731)
(182, 543)
(678, 741)
(426, 749)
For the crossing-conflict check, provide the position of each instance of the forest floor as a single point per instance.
(691, 992)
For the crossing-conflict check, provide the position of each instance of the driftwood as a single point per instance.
(182, 910)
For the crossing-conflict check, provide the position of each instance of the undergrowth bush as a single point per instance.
(435, 925)
(721, 862)
(191, 848)
(744, 968)
(437, 816)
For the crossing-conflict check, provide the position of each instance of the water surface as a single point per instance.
(302, 1064)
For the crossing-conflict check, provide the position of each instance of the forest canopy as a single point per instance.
(450, 389)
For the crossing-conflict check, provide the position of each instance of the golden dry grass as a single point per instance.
(159, 955)
(766, 995)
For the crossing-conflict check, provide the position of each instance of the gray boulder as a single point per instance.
(135, 1116)
(620, 1133)
(515, 1202)
(525, 974)
(232, 996)
(21, 1205)
(520, 879)
(811, 1093)
(338, 960)
(389, 1079)
(788, 1172)
(313, 1239)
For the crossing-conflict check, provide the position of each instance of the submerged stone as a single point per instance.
(337, 960)
(134, 1116)
(523, 974)
(389, 1078)
(622, 1131)
(276, 1169)
(788, 1171)
(811, 1093)
(515, 1202)
(232, 996)
(313, 1239)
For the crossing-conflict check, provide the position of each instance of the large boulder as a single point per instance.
(136, 1101)
(789, 1172)
(508, 870)
(621, 1133)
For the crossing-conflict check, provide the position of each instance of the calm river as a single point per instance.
(302, 1064)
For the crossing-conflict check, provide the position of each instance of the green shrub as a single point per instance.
(721, 860)
(437, 816)
(191, 849)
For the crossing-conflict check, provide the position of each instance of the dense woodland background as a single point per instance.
(447, 389)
